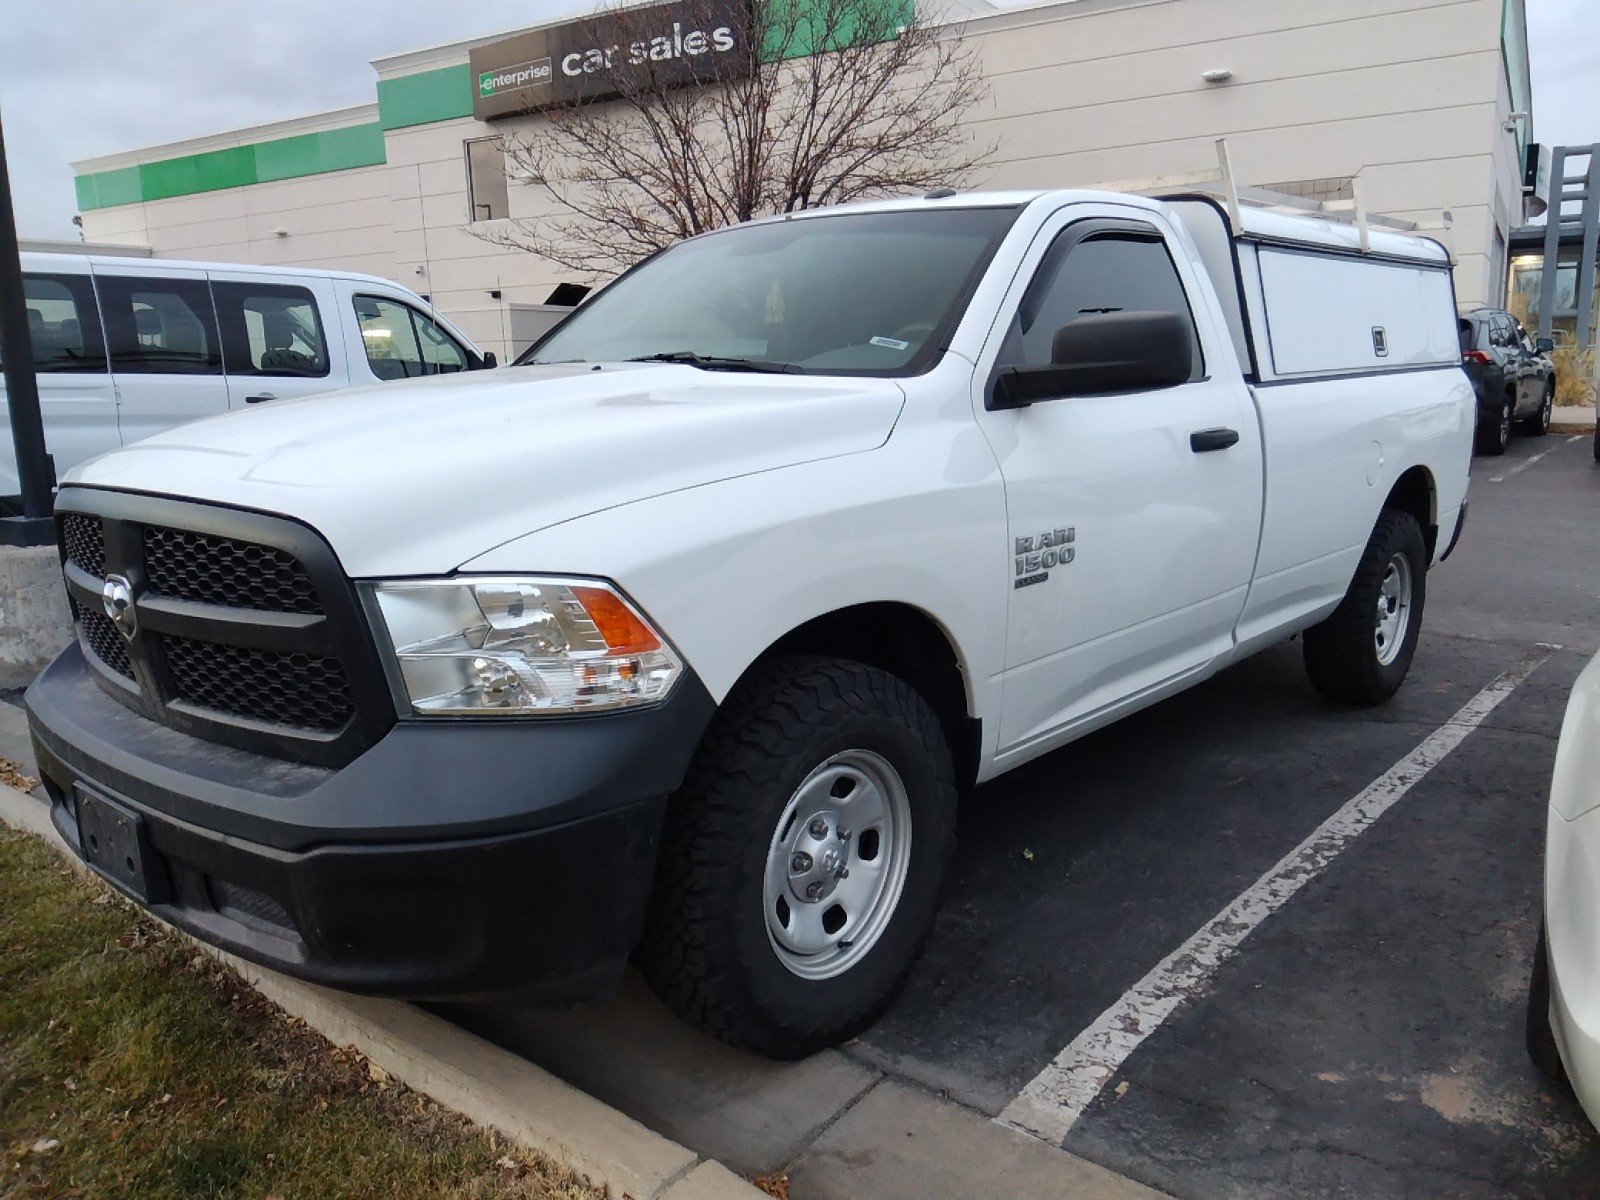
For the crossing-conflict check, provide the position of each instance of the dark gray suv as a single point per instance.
(1514, 377)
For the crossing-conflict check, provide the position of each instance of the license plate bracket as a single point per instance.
(116, 844)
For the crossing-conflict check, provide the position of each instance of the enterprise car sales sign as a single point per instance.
(671, 44)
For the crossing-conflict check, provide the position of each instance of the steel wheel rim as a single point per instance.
(1394, 609)
(837, 864)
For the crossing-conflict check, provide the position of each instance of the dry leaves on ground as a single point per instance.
(12, 775)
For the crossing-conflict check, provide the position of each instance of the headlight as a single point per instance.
(518, 646)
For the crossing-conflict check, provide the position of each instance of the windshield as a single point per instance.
(854, 294)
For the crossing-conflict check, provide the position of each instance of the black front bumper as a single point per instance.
(451, 859)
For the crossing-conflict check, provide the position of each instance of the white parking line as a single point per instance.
(1519, 468)
(1577, 437)
(1051, 1104)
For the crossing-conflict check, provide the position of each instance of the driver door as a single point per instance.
(1133, 541)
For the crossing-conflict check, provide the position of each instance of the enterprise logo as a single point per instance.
(506, 79)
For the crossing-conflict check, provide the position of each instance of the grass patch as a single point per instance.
(133, 1066)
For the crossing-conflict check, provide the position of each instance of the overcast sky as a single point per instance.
(85, 77)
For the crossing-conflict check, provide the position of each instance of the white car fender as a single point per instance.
(727, 569)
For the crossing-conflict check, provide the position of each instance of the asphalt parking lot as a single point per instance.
(1364, 1040)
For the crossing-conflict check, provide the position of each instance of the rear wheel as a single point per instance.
(1494, 436)
(802, 858)
(1539, 424)
(1362, 652)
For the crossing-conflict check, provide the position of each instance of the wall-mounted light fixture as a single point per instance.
(280, 233)
(1217, 75)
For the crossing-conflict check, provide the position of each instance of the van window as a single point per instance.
(1113, 272)
(402, 343)
(63, 323)
(270, 329)
(161, 326)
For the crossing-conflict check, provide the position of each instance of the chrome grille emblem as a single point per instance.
(116, 597)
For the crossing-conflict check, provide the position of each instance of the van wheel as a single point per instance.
(1495, 436)
(1539, 424)
(802, 858)
(1541, 1038)
(1361, 653)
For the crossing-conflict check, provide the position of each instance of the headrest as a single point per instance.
(277, 331)
(147, 321)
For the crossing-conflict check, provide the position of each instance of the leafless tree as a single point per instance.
(773, 127)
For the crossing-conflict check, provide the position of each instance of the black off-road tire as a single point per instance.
(1539, 424)
(1340, 654)
(1494, 437)
(1540, 1037)
(707, 951)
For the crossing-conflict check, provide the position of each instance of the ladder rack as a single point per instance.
(1224, 186)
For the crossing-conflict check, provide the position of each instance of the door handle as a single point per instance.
(1202, 440)
(259, 399)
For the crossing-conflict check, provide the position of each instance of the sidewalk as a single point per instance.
(1572, 418)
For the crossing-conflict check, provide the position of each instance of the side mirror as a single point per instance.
(1545, 345)
(1104, 352)
(485, 361)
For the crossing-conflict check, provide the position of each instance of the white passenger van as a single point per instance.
(129, 347)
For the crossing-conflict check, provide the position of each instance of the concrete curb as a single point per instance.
(475, 1078)
(1571, 419)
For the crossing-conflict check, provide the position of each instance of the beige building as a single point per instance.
(1428, 102)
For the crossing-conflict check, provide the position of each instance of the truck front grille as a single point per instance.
(215, 570)
(103, 640)
(301, 691)
(248, 632)
(84, 542)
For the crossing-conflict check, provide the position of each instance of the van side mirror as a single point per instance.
(1104, 352)
(485, 361)
(1545, 345)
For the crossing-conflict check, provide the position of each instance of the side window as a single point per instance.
(1103, 273)
(441, 353)
(161, 326)
(1504, 335)
(270, 329)
(389, 339)
(402, 343)
(63, 323)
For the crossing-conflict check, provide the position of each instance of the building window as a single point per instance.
(486, 180)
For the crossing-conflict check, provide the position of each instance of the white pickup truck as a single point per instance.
(679, 639)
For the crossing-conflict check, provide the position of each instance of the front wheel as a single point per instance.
(1361, 653)
(802, 858)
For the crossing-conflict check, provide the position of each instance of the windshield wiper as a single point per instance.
(707, 362)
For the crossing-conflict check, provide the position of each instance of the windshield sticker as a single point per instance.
(891, 343)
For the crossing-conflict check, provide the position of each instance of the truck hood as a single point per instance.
(418, 477)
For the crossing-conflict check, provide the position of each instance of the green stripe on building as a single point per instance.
(438, 95)
(234, 166)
